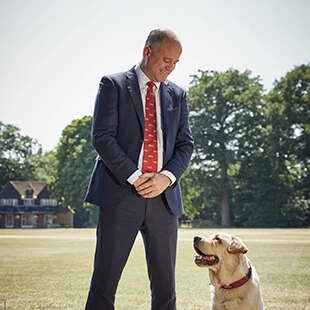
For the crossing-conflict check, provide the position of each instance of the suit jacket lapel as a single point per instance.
(134, 91)
(166, 109)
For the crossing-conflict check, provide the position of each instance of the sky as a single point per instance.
(54, 53)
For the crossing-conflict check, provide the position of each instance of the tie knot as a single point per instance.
(150, 84)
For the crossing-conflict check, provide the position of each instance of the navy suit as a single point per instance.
(117, 135)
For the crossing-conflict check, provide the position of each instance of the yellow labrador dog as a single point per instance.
(234, 281)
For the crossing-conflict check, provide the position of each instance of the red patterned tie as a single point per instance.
(150, 156)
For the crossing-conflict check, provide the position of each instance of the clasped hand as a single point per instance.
(150, 185)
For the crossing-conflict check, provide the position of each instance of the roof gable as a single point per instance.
(23, 186)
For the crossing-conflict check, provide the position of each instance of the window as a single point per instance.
(48, 202)
(9, 202)
(29, 193)
(48, 219)
(29, 202)
(27, 220)
(9, 223)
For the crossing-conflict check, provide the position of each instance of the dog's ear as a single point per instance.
(237, 246)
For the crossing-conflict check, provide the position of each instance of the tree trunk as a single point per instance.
(225, 209)
(224, 204)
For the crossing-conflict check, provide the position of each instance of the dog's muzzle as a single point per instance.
(203, 259)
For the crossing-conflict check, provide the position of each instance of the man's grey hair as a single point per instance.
(156, 37)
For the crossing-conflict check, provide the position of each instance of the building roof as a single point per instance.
(22, 186)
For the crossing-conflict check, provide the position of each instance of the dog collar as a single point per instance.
(239, 282)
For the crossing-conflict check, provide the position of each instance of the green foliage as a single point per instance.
(252, 151)
(75, 156)
(44, 166)
(297, 210)
(200, 192)
(289, 124)
(16, 152)
(225, 119)
(288, 120)
(257, 199)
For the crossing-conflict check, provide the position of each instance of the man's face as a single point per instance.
(158, 62)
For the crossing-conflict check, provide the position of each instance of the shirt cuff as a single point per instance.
(134, 177)
(170, 175)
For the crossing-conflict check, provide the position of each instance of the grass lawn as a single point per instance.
(50, 269)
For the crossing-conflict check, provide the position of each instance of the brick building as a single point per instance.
(27, 204)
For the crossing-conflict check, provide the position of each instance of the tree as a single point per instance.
(200, 193)
(288, 117)
(44, 166)
(15, 152)
(289, 114)
(225, 120)
(75, 156)
(297, 210)
(258, 192)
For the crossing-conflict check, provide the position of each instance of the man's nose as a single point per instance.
(170, 67)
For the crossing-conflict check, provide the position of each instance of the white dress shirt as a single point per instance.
(143, 79)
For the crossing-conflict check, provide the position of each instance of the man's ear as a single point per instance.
(237, 246)
(146, 51)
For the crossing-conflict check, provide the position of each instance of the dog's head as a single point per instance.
(217, 248)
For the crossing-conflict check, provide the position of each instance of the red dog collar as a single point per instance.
(240, 282)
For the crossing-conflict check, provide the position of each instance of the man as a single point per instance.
(132, 119)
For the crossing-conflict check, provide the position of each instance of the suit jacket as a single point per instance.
(117, 136)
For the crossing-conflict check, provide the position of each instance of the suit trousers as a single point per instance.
(116, 233)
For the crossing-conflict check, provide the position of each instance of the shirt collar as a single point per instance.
(143, 79)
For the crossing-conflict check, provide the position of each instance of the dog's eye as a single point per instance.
(216, 238)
